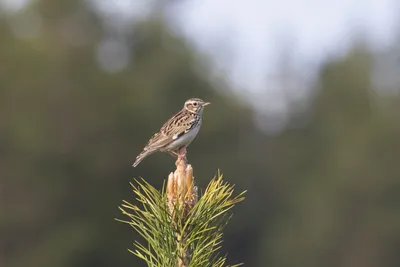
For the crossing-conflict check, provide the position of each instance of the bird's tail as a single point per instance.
(141, 156)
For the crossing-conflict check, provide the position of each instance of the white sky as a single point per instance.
(244, 37)
(253, 29)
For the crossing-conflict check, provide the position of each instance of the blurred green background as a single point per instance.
(80, 96)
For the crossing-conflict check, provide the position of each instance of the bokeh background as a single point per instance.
(305, 116)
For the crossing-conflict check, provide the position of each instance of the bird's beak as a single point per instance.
(206, 103)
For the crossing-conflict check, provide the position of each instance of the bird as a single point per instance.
(178, 132)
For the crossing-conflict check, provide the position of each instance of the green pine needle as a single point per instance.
(201, 230)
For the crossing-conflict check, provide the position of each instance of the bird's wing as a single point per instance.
(179, 125)
(174, 128)
(158, 141)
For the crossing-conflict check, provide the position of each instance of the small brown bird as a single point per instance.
(178, 132)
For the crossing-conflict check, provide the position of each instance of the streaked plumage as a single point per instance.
(179, 131)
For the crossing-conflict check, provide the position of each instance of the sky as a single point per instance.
(254, 31)
(245, 38)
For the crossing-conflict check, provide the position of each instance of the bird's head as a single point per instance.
(195, 105)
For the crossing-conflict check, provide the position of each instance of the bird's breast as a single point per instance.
(184, 140)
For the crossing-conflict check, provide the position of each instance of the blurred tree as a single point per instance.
(71, 129)
(339, 176)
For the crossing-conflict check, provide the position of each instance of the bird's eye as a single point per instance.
(195, 104)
